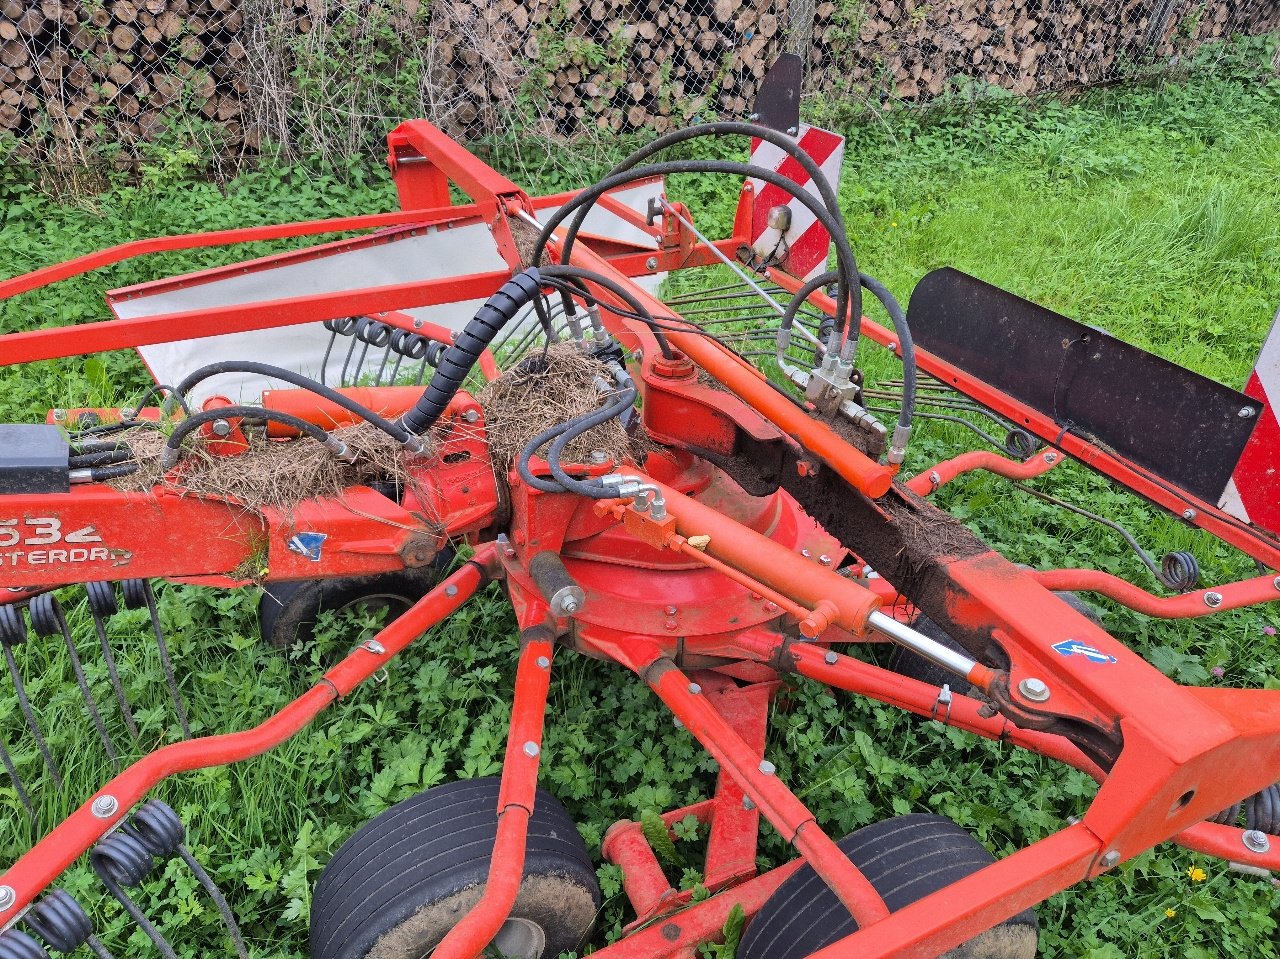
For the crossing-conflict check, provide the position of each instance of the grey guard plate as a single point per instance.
(778, 99)
(1184, 427)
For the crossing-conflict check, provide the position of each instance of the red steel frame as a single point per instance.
(1185, 753)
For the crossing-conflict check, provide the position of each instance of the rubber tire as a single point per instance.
(906, 859)
(907, 663)
(404, 879)
(287, 611)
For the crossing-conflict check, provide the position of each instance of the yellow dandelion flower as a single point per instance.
(1170, 913)
(893, 224)
(1197, 874)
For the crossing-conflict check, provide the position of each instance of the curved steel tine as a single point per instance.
(113, 672)
(18, 786)
(210, 887)
(29, 714)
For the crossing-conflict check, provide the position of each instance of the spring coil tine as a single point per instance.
(382, 367)
(12, 632)
(1179, 571)
(102, 603)
(343, 326)
(219, 900)
(47, 620)
(16, 944)
(138, 593)
(158, 828)
(342, 377)
(1228, 816)
(122, 860)
(18, 786)
(60, 921)
(1262, 811)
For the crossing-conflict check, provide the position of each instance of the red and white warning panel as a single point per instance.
(1254, 491)
(793, 238)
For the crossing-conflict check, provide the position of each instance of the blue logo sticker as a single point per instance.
(1073, 647)
(308, 545)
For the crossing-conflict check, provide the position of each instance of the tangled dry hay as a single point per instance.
(534, 396)
(270, 474)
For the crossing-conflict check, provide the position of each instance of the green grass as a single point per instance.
(1153, 212)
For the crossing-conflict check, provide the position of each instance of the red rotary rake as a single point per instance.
(759, 529)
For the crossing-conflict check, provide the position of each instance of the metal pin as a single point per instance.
(105, 806)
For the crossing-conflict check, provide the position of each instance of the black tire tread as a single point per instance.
(905, 859)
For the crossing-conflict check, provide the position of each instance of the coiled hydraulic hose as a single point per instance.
(473, 340)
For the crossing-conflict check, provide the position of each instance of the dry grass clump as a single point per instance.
(270, 474)
(535, 395)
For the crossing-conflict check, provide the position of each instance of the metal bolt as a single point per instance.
(694, 688)
(221, 428)
(767, 767)
(419, 324)
(747, 803)
(1247, 412)
(1255, 840)
(670, 610)
(1276, 582)
(471, 416)
(824, 559)
(451, 590)
(105, 806)
(770, 607)
(7, 898)
(58, 417)
(831, 658)
(128, 413)
(651, 263)
(792, 131)
(1213, 600)
(1188, 514)
(893, 346)
(373, 646)
(544, 663)
(755, 595)
(805, 553)
(935, 478)
(754, 117)
(1110, 859)
(1051, 457)
(670, 626)
(569, 605)
(678, 724)
(531, 749)
(1034, 689)
(599, 456)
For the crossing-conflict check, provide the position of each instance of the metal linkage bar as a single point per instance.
(45, 861)
(516, 798)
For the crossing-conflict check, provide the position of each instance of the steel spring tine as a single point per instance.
(102, 603)
(122, 860)
(161, 832)
(220, 901)
(16, 944)
(344, 327)
(47, 620)
(13, 631)
(138, 593)
(23, 797)
(342, 377)
(63, 924)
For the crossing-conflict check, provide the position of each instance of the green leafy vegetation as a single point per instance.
(1152, 212)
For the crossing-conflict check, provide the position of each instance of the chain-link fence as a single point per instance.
(96, 81)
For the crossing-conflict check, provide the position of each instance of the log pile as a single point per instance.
(913, 50)
(115, 71)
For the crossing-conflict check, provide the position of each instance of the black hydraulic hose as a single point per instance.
(457, 361)
(590, 488)
(101, 474)
(395, 431)
(580, 274)
(195, 421)
(80, 460)
(727, 128)
(845, 311)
